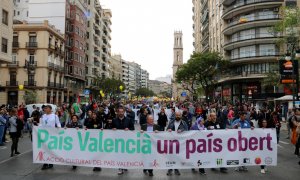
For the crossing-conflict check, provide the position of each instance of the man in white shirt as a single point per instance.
(49, 120)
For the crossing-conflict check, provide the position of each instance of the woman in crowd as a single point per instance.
(162, 119)
(74, 124)
(199, 126)
(264, 124)
(16, 126)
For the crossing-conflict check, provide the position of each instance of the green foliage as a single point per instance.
(30, 97)
(200, 71)
(288, 27)
(144, 92)
(272, 77)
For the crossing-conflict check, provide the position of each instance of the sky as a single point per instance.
(143, 31)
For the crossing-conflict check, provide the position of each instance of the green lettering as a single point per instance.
(52, 145)
(138, 142)
(68, 143)
(146, 148)
(83, 144)
(93, 145)
(43, 136)
(61, 140)
(100, 141)
(130, 150)
(108, 145)
(117, 142)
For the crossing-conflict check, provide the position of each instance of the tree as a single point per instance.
(144, 92)
(289, 27)
(109, 86)
(200, 71)
(30, 97)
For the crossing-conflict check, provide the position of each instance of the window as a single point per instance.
(77, 44)
(30, 79)
(13, 77)
(4, 17)
(4, 45)
(267, 49)
(76, 56)
(14, 58)
(248, 51)
(31, 58)
(32, 38)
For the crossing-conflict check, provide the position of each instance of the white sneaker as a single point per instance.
(263, 171)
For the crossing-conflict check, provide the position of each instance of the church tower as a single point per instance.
(177, 62)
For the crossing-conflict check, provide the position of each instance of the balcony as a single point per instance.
(13, 64)
(30, 83)
(97, 53)
(15, 44)
(30, 64)
(31, 45)
(51, 84)
(244, 23)
(243, 7)
(12, 83)
(248, 40)
(50, 65)
(253, 56)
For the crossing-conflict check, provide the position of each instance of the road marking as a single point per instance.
(4, 147)
(280, 146)
(4, 161)
(283, 142)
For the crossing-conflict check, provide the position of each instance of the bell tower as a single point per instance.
(177, 62)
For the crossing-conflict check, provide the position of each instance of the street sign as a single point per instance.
(86, 92)
(183, 94)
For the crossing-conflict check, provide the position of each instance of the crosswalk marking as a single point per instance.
(4, 147)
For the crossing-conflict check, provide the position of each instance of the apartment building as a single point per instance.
(6, 8)
(240, 31)
(37, 64)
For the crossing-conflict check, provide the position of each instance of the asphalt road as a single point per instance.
(21, 167)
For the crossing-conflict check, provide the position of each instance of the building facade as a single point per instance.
(144, 79)
(160, 88)
(239, 30)
(177, 62)
(116, 67)
(37, 64)
(6, 7)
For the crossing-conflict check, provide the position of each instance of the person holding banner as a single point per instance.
(74, 124)
(49, 120)
(241, 123)
(179, 126)
(213, 124)
(199, 126)
(149, 127)
(94, 123)
(264, 124)
(122, 122)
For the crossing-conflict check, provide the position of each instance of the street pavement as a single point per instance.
(21, 167)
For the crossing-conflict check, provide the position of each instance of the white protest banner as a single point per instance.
(162, 150)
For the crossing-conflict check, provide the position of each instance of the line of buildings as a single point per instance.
(240, 31)
(57, 49)
(130, 73)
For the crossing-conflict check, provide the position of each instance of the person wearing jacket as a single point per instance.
(94, 122)
(2, 126)
(122, 122)
(275, 123)
(14, 131)
(199, 126)
(179, 126)
(149, 127)
(214, 124)
(74, 124)
(162, 120)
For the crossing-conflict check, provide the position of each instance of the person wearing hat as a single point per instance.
(49, 120)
